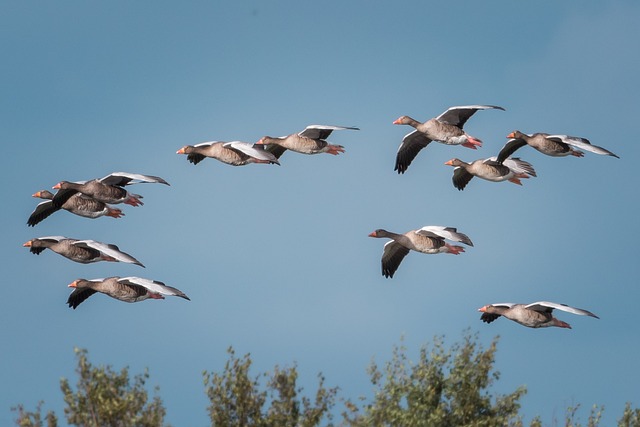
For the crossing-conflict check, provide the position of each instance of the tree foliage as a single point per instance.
(236, 399)
(35, 419)
(443, 388)
(103, 398)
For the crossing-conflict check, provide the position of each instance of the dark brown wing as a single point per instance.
(274, 149)
(411, 145)
(61, 197)
(78, 296)
(489, 317)
(509, 148)
(458, 116)
(42, 211)
(392, 256)
(461, 178)
(195, 158)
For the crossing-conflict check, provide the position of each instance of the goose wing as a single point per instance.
(61, 196)
(461, 177)
(78, 296)
(548, 307)
(41, 212)
(581, 143)
(256, 151)
(108, 249)
(450, 233)
(322, 131)
(458, 116)
(392, 255)
(411, 145)
(153, 286)
(125, 178)
(509, 148)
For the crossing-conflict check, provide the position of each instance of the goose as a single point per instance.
(82, 251)
(429, 239)
(446, 129)
(235, 153)
(127, 289)
(309, 141)
(551, 145)
(512, 170)
(535, 315)
(77, 204)
(109, 189)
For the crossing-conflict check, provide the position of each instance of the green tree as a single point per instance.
(443, 388)
(35, 419)
(103, 398)
(630, 417)
(236, 399)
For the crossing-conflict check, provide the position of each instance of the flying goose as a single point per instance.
(109, 189)
(82, 251)
(312, 140)
(512, 170)
(235, 153)
(551, 145)
(428, 240)
(446, 129)
(127, 289)
(535, 315)
(78, 204)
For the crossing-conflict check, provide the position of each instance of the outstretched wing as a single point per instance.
(154, 286)
(546, 306)
(461, 178)
(257, 151)
(125, 178)
(411, 145)
(458, 116)
(509, 148)
(450, 233)
(392, 256)
(110, 250)
(42, 211)
(581, 143)
(322, 131)
(78, 296)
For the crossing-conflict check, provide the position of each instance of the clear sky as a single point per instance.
(276, 259)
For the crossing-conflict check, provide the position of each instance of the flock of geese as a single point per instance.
(93, 199)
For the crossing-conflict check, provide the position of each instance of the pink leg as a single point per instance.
(472, 142)
(453, 249)
(335, 149)
(515, 180)
(133, 201)
(116, 213)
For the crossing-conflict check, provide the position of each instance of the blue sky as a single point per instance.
(276, 260)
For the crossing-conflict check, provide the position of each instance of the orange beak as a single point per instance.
(511, 135)
(483, 309)
(56, 187)
(36, 194)
(73, 284)
(180, 151)
(449, 163)
(397, 122)
(373, 234)
(27, 244)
